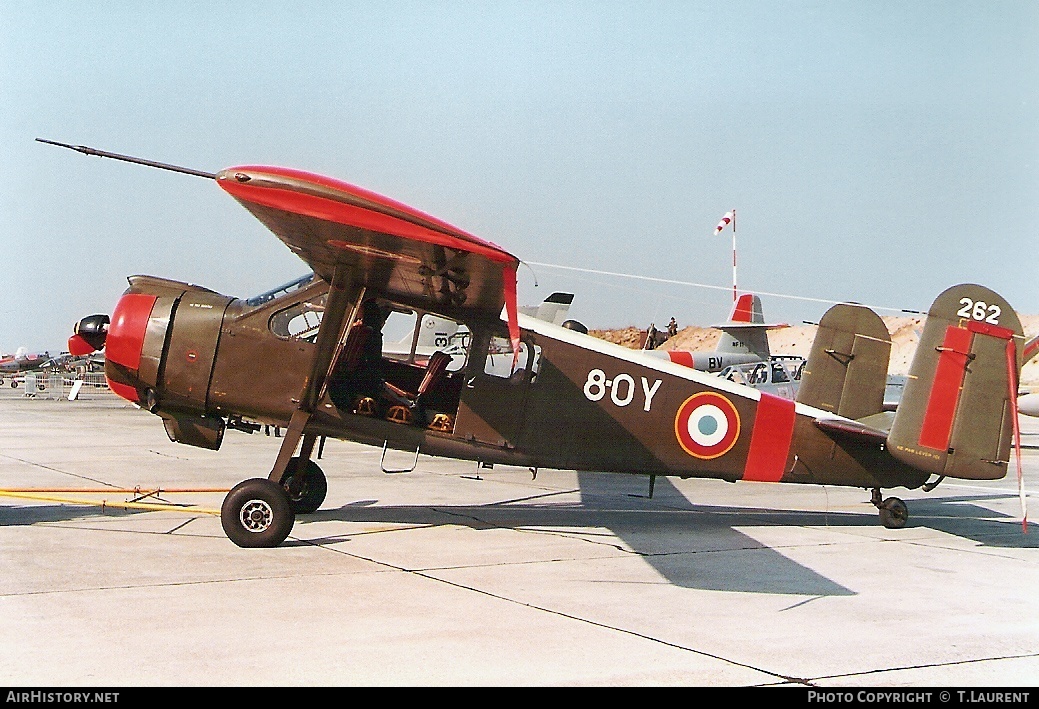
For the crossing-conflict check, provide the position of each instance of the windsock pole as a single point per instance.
(733, 255)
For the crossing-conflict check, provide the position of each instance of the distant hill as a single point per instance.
(797, 340)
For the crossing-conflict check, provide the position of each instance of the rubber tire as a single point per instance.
(314, 489)
(893, 513)
(14, 384)
(262, 497)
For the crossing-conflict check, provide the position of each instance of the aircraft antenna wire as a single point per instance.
(128, 158)
(670, 281)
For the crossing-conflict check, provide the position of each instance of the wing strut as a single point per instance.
(333, 321)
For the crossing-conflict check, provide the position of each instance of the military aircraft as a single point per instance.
(204, 362)
(744, 340)
(24, 361)
(1029, 403)
(553, 309)
(13, 368)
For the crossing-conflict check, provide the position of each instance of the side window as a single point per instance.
(779, 373)
(500, 358)
(300, 320)
(438, 333)
(432, 334)
(398, 331)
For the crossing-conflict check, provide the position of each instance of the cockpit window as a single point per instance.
(300, 320)
(290, 287)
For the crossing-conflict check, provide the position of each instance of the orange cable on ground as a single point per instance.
(35, 494)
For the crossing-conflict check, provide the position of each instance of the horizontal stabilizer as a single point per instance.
(1030, 350)
(852, 429)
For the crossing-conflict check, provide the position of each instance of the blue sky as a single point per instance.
(876, 152)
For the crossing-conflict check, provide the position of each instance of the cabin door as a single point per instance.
(494, 396)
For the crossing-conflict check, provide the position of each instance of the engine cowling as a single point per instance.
(160, 345)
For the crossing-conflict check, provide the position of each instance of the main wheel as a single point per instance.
(893, 513)
(257, 513)
(312, 487)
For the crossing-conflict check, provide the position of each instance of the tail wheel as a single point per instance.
(257, 513)
(306, 494)
(893, 513)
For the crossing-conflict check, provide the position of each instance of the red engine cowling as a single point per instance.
(124, 344)
(160, 348)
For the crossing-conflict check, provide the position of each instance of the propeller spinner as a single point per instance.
(90, 335)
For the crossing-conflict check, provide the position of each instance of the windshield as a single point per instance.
(281, 290)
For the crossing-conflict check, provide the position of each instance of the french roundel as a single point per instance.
(707, 425)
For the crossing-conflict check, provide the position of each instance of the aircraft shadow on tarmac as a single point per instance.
(691, 550)
(689, 545)
(24, 515)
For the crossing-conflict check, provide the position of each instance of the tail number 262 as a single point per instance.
(976, 310)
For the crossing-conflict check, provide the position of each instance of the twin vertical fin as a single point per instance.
(846, 370)
(955, 416)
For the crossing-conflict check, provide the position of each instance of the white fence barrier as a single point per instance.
(62, 385)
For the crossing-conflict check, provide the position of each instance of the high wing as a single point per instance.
(387, 246)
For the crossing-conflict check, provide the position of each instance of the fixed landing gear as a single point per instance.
(261, 513)
(257, 513)
(306, 491)
(893, 512)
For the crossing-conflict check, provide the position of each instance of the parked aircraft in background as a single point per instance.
(744, 340)
(23, 361)
(553, 309)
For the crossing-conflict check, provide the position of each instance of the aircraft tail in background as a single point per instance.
(553, 309)
(746, 332)
(744, 340)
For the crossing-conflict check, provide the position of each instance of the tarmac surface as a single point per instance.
(454, 576)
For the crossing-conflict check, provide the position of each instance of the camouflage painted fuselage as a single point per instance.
(580, 403)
